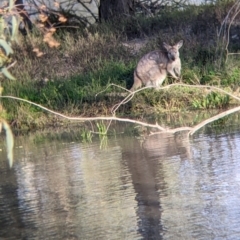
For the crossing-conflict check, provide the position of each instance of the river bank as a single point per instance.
(73, 79)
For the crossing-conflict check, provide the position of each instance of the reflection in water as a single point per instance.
(166, 187)
(58, 186)
(146, 166)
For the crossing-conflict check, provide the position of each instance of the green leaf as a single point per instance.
(14, 28)
(2, 26)
(6, 47)
(10, 142)
(7, 74)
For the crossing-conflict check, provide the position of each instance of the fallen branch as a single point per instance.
(191, 130)
(84, 119)
(212, 119)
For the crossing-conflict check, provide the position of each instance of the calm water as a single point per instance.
(162, 187)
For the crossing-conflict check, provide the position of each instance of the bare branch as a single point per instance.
(237, 11)
(212, 119)
(191, 130)
(84, 119)
(226, 26)
(88, 9)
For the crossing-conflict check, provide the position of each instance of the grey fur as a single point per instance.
(152, 69)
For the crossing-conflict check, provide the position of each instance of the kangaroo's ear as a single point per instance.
(166, 46)
(179, 44)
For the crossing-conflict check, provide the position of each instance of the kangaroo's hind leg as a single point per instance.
(156, 77)
(160, 78)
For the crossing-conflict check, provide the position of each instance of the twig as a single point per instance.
(112, 84)
(11, 65)
(226, 18)
(172, 85)
(203, 86)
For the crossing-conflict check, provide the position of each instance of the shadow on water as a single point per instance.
(161, 187)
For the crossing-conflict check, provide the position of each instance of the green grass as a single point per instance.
(76, 89)
(212, 100)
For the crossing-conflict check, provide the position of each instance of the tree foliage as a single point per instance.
(8, 33)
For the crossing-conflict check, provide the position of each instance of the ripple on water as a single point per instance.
(168, 187)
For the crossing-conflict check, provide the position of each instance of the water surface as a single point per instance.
(160, 187)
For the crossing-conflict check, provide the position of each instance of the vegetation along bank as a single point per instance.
(74, 78)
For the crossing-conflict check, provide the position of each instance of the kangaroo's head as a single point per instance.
(172, 51)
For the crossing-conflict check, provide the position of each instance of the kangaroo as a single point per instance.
(152, 69)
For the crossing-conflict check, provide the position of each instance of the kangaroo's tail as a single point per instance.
(137, 82)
